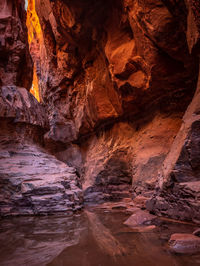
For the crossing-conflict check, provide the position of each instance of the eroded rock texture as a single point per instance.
(116, 78)
(178, 187)
(15, 60)
(31, 180)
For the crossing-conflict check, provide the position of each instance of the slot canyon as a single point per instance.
(100, 132)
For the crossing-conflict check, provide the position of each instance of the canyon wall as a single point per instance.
(118, 115)
(15, 63)
(178, 187)
(116, 79)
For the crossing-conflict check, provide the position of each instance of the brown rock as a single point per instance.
(15, 61)
(114, 80)
(140, 218)
(184, 244)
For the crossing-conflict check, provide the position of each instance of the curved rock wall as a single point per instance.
(116, 78)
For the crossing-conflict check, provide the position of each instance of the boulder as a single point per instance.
(184, 243)
(140, 218)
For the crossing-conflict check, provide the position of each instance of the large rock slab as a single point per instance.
(34, 182)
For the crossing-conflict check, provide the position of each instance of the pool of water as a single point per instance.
(91, 238)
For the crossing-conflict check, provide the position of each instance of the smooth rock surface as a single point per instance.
(140, 218)
(184, 244)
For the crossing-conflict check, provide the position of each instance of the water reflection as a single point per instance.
(88, 239)
(36, 241)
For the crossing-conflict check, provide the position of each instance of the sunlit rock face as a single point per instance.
(116, 78)
(15, 60)
(35, 40)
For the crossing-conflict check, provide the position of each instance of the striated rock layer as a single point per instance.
(31, 180)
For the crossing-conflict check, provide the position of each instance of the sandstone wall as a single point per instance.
(116, 78)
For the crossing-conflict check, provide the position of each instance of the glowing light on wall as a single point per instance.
(34, 39)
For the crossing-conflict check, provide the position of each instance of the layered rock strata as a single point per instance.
(114, 80)
(31, 180)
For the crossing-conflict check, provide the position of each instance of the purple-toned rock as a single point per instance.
(184, 243)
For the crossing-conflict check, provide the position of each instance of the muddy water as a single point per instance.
(92, 238)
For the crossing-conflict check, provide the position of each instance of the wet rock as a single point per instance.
(143, 229)
(184, 244)
(140, 218)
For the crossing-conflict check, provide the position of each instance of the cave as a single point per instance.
(100, 132)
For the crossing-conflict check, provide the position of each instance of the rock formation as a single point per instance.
(31, 180)
(177, 193)
(115, 80)
(15, 63)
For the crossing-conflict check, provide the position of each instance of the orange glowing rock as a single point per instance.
(35, 37)
(35, 89)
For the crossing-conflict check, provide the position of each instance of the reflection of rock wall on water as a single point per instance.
(105, 240)
(37, 241)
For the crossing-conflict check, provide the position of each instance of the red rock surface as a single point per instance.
(116, 78)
